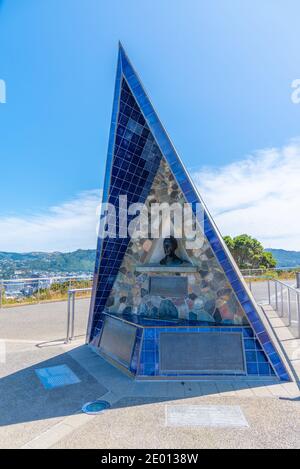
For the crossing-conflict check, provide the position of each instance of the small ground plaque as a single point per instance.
(205, 416)
(168, 286)
(56, 376)
(201, 352)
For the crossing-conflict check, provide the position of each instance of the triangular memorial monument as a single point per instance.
(171, 306)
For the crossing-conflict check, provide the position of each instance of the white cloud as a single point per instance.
(259, 195)
(65, 227)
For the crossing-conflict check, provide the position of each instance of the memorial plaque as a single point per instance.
(168, 286)
(117, 340)
(203, 352)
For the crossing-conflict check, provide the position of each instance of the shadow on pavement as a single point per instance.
(24, 398)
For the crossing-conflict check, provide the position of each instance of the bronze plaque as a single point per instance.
(168, 286)
(117, 340)
(201, 352)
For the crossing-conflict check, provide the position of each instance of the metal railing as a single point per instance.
(22, 291)
(71, 312)
(263, 272)
(285, 300)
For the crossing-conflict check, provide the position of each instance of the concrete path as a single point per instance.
(42, 322)
(32, 416)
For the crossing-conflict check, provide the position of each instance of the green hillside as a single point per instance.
(77, 261)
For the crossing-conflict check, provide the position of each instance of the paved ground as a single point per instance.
(42, 322)
(34, 417)
(272, 424)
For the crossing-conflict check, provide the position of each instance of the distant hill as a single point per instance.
(83, 260)
(286, 258)
(77, 261)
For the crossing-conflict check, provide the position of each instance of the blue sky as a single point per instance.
(219, 74)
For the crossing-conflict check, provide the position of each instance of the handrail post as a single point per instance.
(276, 295)
(68, 318)
(298, 313)
(73, 315)
(1, 292)
(298, 280)
(289, 307)
(269, 291)
(71, 312)
(281, 292)
(39, 291)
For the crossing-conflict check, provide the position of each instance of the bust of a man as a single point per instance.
(170, 246)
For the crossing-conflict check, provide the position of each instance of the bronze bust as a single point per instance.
(170, 246)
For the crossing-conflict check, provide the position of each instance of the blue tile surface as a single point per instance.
(131, 174)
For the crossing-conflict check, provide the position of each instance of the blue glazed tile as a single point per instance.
(258, 327)
(250, 356)
(149, 333)
(264, 369)
(263, 337)
(148, 370)
(275, 360)
(211, 235)
(249, 344)
(221, 255)
(217, 246)
(232, 276)
(191, 197)
(186, 186)
(242, 295)
(252, 369)
(269, 348)
(279, 368)
(226, 265)
(249, 310)
(181, 177)
(285, 377)
(149, 357)
(261, 357)
(247, 332)
(237, 286)
(207, 225)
